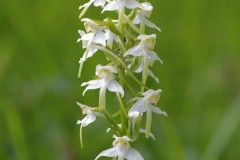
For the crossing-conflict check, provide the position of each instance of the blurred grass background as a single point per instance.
(200, 79)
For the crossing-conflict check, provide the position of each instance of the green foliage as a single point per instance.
(200, 79)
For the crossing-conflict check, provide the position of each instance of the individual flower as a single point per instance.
(144, 52)
(117, 4)
(145, 104)
(106, 80)
(122, 150)
(95, 35)
(147, 43)
(143, 13)
(88, 119)
(90, 116)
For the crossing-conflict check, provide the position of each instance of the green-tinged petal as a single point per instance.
(92, 84)
(135, 51)
(158, 110)
(114, 86)
(111, 6)
(111, 152)
(133, 154)
(139, 106)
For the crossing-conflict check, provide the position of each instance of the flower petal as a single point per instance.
(133, 154)
(135, 51)
(131, 4)
(100, 38)
(139, 106)
(111, 152)
(151, 74)
(99, 3)
(144, 131)
(92, 84)
(111, 6)
(149, 23)
(157, 110)
(87, 120)
(114, 86)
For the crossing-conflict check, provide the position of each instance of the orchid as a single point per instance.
(90, 118)
(106, 80)
(121, 149)
(145, 104)
(144, 51)
(95, 35)
(90, 115)
(143, 13)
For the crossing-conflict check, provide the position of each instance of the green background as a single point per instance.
(200, 79)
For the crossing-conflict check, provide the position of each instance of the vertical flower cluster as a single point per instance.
(129, 51)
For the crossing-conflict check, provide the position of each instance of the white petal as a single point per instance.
(92, 84)
(147, 6)
(131, 4)
(87, 120)
(133, 154)
(139, 69)
(144, 131)
(135, 51)
(91, 51)
(149, 23)
(157, 110)
(153, 76)
(100, 38)
(87, 37)
(111, 6)
(111, 152)
(99, 3)
(114, 86)
(152, 54)
(139, 106)
(136, 20)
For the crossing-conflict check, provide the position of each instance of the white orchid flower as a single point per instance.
(145, 104)
(144, 51)
(122, 150)
(117, 4)
(88, 119)
(95, 36)
(90, 116)
(106, 80)
(143, 13)
(144, 48)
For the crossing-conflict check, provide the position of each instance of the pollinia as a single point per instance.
(129, 52)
